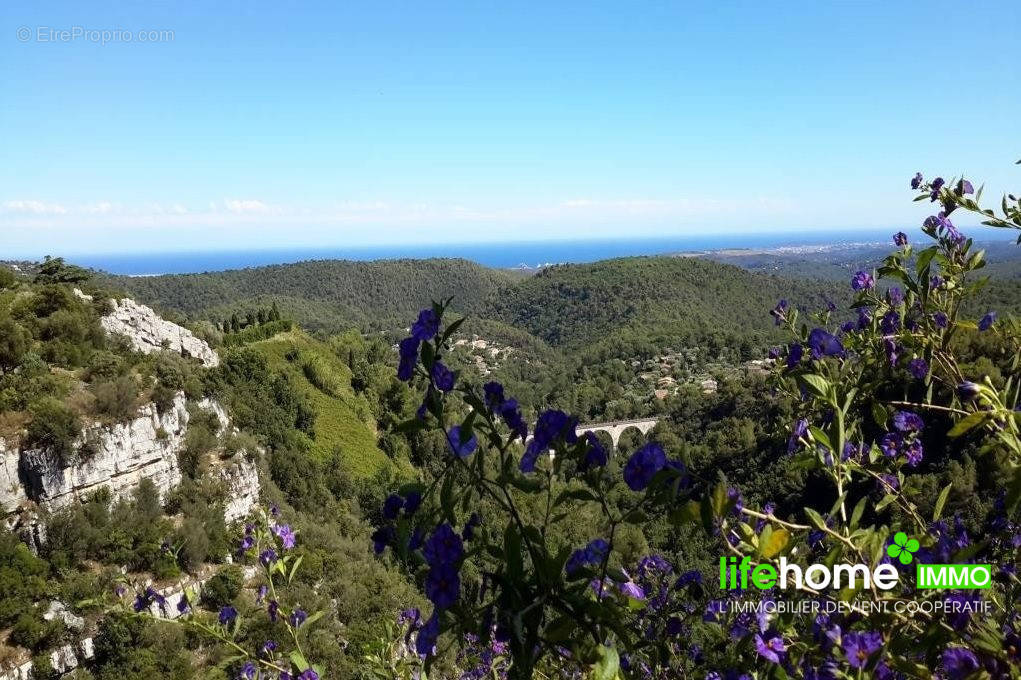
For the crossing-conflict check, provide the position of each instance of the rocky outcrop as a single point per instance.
(241, 479)
(12, 491)
(148, 332)
(118, 457)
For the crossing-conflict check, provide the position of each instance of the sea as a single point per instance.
(508, 255)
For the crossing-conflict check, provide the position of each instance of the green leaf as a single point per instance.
(299, 661)
(816, 383)
(941, 501)
(775, 543)
(294, 568)
(816, 519)
(608, 665)
(857, 512)
(924, 258)
(967, 423)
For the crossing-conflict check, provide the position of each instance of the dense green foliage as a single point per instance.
(328, 294)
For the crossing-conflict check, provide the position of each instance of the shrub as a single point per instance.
(221, 589)
(7, 278)
(321, 374)
(117, 399)
(54, 427)
(14, 344)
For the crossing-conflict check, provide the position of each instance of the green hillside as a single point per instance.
(571, 305)
(344, 426)
(322, 294)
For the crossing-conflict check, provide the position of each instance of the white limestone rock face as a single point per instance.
(59, 611)
(241, 478)
(12, 492)
(121, 456)
(149, 332)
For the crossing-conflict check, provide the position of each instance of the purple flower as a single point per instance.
(864, 317)
(964, 187)
(770, 646)
(468, 533)
(643, 466)
(863, 281)
(443, 377)
(779, 313)
(918, 368)
(382, 537)
(895, 295)
(443, 546)
(550, 426)
(461, 449)
(908, 421)
(268, 647)
(426, 327)
(847, 327)
(890, 322)
(443, 585)
(941, 320)
(493, 394)
(596, 551)
(794, 354)
(268, 557)
(900, 239)
(247, 541)
(892, 350)
(308, 674)
(273, 610)
(890, 444)
(959, 662)
(914, 452)
(408, 350)
(799, 430)
(936, 281)
(511, 414)
(968, 390)
(859, 647)
(936, 185)
(631, 589)
(412, 501)
(774, 352)
(595, 455)
(392, 506)
(261, 593)
(824, 344)
(852, 451)
(425, 641)
(247, 671)
(987, 321)
(297, 617)
(227, 615)
(916, 181)
(183, 605)
(286, 535)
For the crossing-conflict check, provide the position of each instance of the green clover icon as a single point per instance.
(902, 548)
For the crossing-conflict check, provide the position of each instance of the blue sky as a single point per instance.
(257, 125)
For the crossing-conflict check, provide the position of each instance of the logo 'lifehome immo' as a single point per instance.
(735, 574)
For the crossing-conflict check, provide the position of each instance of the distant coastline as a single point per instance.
(523, 256)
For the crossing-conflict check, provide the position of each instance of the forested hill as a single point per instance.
(665, 296)
(323, 294)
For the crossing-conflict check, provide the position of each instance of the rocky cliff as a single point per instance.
(118, 457)
(148, 332)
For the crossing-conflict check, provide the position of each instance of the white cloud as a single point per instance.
(244, 207)
(99, 208)
(35, 208)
